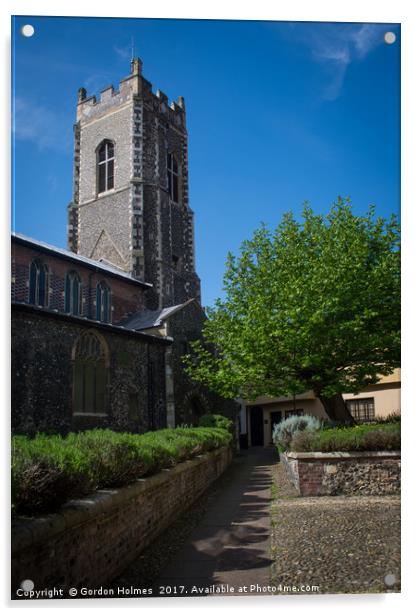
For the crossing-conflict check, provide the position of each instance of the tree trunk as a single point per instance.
(337, 410)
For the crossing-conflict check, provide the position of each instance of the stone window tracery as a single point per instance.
(173, 174)
(38, 283)
(103, 302)
(105, 166)
(90, 359)
(72, 293)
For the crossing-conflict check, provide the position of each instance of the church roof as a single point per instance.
(146, 319)
(103, 266)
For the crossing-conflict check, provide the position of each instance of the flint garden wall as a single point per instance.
(90, 541)
(350, 473)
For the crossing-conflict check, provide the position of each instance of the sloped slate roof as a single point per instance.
(72, 256)
(151, 318)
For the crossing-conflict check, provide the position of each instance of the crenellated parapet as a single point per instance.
(133, 86)
(130, 201)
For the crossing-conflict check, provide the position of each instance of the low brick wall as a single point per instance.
(362, 472)
(90, 541)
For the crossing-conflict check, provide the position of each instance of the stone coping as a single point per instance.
(341, 455)
(28, 531)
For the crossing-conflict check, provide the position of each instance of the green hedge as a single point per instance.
(217, 421)
(49, 469)
(364, 437)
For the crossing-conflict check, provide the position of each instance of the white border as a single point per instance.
(300, 10)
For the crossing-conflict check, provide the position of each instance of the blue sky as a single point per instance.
(277, 112)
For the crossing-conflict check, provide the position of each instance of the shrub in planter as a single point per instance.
(304, 441)
(46, 472)
(206, 439)
(366, 437)
(173, 446)
(118, 458)
(284, 431)
(216, 421)
(382, 440)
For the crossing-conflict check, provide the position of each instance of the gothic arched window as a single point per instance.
(38, 283)
(72, 293)
(105, 166)
(90, 361)
(173, 177)
(103, 302)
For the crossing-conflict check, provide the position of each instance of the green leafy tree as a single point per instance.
(312, 305)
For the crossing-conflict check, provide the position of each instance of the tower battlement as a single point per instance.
(135, 85)
(130, 201)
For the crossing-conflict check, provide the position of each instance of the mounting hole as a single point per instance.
(390, 38)
(27, 585)
(390, 579)
(27, 30)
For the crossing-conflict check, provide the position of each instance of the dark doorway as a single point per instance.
(257, 426)
(275, 418)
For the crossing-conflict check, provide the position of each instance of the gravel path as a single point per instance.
(341, 544)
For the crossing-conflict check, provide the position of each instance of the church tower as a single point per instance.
(130, 204)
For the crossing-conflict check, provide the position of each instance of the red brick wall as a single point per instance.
(310, 478)
(126, 297)
(91, 541)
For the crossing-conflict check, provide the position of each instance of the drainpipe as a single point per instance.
(89, 304)
(150, 389)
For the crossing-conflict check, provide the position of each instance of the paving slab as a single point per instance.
(231, 545)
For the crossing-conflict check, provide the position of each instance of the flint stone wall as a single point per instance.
(350, 473)
(42, 375)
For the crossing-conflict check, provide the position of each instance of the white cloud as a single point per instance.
(124, 53)
(367, 38)
(336, 46)
(47, 128)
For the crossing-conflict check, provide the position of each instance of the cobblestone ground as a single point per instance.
(341, 544)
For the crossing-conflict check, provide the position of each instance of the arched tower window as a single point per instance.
(103, 302)
(72, 293)
(38, 283)
(105, 166)
(90, 361)
(173, 177)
